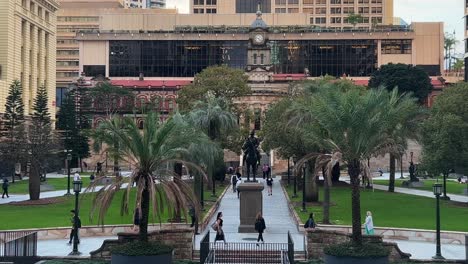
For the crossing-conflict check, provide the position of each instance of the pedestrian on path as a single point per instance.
(238, 182)
(268, 171)
(77, 176)
(233, 182)
(310, 223)
(369, 224)
(265, 170)
(5, 188)
(137, 218)
(269, 182)
(75, 227)
(219, 228)
(194, 218)
(260, 227)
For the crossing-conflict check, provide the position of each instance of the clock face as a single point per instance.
(258, 39)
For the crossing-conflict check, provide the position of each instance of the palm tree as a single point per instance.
(353, 124)
(449, 42)
(214, 118)
(150, 151)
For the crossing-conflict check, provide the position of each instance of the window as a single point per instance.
(32, 8)
(293, 2)
(365, 19)
(308, 2)
(396, 46)
(335, 20)
(39, 11)
(335, 2)
(348, 10)
(198, 2)
(280, 10)
(376, 10)
(68, 63)
(67, 52)
(255, 59)
(198, 11)
(320, 20)
(24, 3)
(211, 2)
(249, 6)
(348, 2)
(335, 10)
(321, 2)
(211, 10)
(280, 2)
(257, 120)
(320, 10)
(376, 1)
(67, 74)
(363, 1)
(376, 20)
(47, 16)
(262, 59)
(308, 10)
(78, 19)
(66, 41)
(293, 10)
(363, 10)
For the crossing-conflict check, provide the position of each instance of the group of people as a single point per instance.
(236, 179)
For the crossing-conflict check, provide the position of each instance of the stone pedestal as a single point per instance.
(251, 202)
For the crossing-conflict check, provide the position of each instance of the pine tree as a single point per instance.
(14, 133)
(42, 141)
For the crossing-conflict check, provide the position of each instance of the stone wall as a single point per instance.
(318, 239)
(180, 239)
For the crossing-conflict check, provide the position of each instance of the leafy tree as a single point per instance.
(42, 141)
(150, 151)
(458, 65)
(408, 79)
(14, 135)
(354, 19)
(71, 124)
(445, 146)
(219, 81)
(353, 126)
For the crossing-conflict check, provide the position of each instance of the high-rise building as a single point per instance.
(145, 3)
(27, 49)
(79, 15)
(323, 13)
(466, 40)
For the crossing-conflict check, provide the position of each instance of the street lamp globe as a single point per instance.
(437, 188)
(77, 185)
(69, 157)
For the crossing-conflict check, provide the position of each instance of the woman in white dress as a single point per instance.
(369, 224)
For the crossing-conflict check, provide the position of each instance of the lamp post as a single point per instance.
(69, 158)
(304, 167)
(77, 189)
(289, 174)
(295, 179)
(437, 188)
(202, 203)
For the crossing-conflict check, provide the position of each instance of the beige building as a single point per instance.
(322, 13)
(27, 49)
(79, 15)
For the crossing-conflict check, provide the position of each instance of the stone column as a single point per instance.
(251, 202)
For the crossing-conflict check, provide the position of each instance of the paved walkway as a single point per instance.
(275, 212)
(412, 191)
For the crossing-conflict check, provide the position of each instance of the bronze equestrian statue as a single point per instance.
(251, 154)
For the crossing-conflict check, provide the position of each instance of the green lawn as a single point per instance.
(57, 215)
(452, 186)
(388, 209)
(22, 187)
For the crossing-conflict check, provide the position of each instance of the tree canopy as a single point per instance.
(408, 79)
(219, 81)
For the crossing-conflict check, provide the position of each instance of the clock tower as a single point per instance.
(259, 54)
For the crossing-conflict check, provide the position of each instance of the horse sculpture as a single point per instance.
(251, 155)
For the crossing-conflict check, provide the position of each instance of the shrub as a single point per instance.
(138, 248)
(366, 250)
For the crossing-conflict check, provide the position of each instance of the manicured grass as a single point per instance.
(22, 187)
(81, 261)
(388, 209)
(452, 186)
(57, 214)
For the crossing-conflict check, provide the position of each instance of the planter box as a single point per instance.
(160, 259)
(350, 260)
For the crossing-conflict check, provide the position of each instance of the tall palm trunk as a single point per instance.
(326, 198)
(391, 182)
(145, 204)
(353, 171)
(311, 186)
(34, 181)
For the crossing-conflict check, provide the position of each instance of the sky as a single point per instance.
(450, 12)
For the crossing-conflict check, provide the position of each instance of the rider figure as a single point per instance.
(251, 144)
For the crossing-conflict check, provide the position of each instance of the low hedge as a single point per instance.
(138, 248)
(366, 250)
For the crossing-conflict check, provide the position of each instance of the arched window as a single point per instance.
(255, 59)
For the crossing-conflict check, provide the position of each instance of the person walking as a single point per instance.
(137, 218)
(219, 228)
(369, 224)
(77, 176)
(75, 227)
(310, 223)
(265, 171)
(238, 182)
(233, 182)
(260, 227)
(269, 182)
(268, 171)
(193, 216)
(5, 188)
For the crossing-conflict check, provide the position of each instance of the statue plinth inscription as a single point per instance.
(251, 202)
